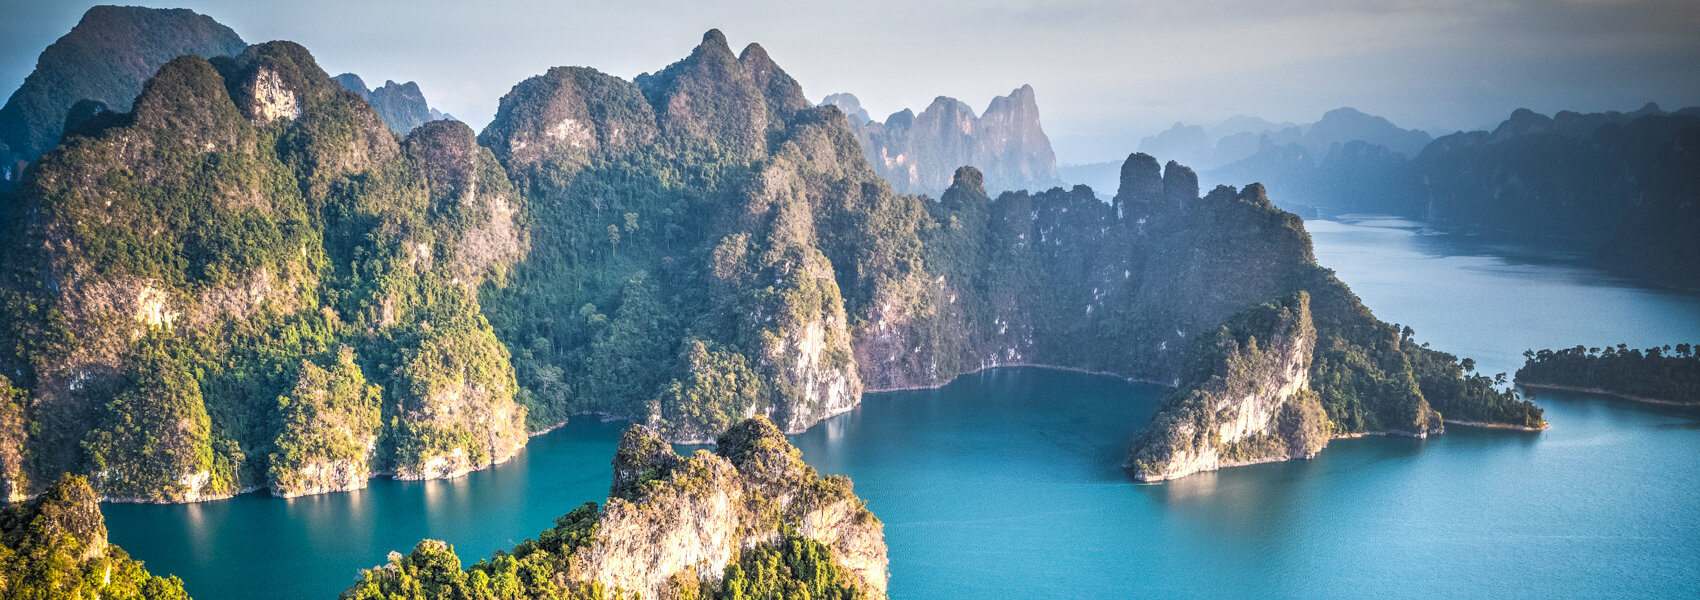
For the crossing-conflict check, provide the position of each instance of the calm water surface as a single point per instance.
(1007, 483)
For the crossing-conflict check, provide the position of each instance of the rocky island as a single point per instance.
(748, 520)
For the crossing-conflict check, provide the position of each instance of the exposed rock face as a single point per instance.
(806, 345)
(920, 153)
(694, 515)
(105, 58)
(401, 105)
(1141, 184)
(674, 527)
(1255, 407)
(272, 99)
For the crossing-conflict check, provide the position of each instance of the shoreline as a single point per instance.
(1504, 426)
(1024, 365)
(1605, 392)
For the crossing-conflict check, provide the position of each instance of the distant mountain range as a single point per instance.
(401, 105)
(1242, 148)
(1622, 186)
(919, 153)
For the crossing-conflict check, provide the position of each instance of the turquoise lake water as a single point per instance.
(1007, 483)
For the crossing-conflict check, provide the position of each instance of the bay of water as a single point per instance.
(1007, 483)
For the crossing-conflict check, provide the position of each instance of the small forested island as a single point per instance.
(1661, 374)
(747, 521)
(250, 281)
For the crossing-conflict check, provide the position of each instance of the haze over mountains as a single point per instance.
(401, 105)
(261, 276)
(920, 153)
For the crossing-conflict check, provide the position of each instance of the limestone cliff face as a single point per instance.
(1256, 405)
(920, 153)
(14, 434)
(693, 516)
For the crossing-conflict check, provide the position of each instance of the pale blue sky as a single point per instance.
(1106, 72)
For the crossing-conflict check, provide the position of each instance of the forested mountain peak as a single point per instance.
(56, 547)
(105, 58)
(269, 238)
(710, 97)
(784, 95)
(571, 115)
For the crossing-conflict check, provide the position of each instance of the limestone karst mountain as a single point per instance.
(209, 322)
(56, 547)
(282, 293)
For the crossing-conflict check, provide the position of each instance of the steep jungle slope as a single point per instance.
(199, 292)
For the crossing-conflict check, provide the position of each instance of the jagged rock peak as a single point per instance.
(969, 179)
(641, 457)
(784, 95)
(849, 105)
(918, 153)
(714, 37)
(1021, 98)
(1180, 184)
(1141, 181)
(354, 84)
(274, 80)
(711, 97)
